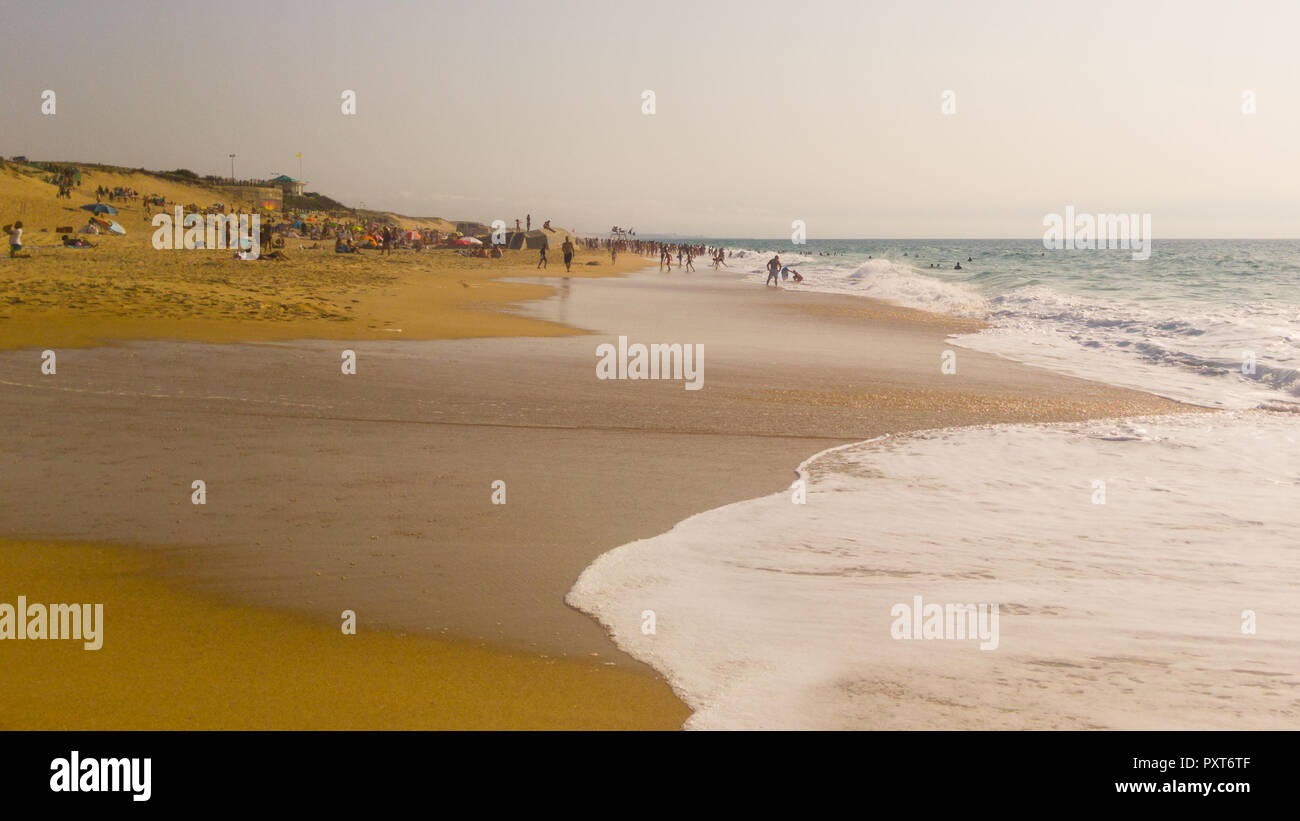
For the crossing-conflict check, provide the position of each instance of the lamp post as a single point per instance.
(232, 167)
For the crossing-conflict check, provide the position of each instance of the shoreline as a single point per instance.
(1086, 608)
(479, 409)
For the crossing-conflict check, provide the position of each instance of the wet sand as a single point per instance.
(373, 491)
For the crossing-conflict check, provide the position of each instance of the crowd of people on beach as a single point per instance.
(66, 178)
(350, 235)
(115, 194)
(684, 253)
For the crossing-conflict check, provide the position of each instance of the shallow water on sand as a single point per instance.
(1144, 572)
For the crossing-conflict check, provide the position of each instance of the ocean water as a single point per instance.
(1181, 324)
(1144, 570)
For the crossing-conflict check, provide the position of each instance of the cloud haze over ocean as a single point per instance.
(765, 112)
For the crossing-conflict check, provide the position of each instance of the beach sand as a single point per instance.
(126, 289)
(175, 661)
(372, 492)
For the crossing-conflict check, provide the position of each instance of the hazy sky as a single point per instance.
(766, 112)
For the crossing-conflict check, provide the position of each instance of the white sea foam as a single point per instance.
(879, 279)
(1191, 348)
(1192, 352)
(1127, 614)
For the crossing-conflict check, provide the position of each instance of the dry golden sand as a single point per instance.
(173, 660)
(126, 289)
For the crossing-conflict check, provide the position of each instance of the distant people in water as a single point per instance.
(957, 267)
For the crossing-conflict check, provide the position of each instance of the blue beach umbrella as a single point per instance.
(99, 208)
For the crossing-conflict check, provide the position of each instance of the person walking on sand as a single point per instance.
(567, 250)
(541, 259)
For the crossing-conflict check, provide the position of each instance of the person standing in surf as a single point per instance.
(773, 269)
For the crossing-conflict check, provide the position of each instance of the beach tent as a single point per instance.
(99, 208)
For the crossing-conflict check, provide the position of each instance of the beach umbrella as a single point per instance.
(114, 227)
(99, 208)
(473, 241)
(412, 235)
(462, 241)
